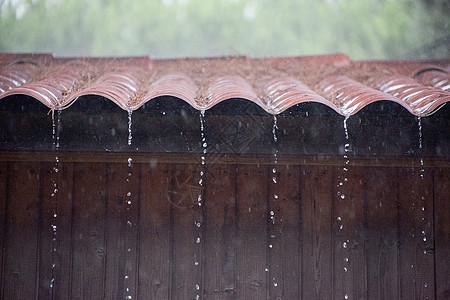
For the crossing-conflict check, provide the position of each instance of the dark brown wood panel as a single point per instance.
(22, 232)
(155, 232)
(187, 239)
(381, 203)
(442, 232)
(62, 271)
(349, 268)
(220, 233)
(284, 232)
(3, 200)
(252, 247)
(316, 235)
(237, 251)
(121, 231)
(415, 217)
(55, 227)
(89, 253)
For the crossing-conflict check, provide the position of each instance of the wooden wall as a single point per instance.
(165, 246)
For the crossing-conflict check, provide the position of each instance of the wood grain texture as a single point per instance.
(415, 223)
(55, 242)
(21, 274)
(442, 232)
(316, 234)
(220, 233)
(88, 231)
(385, 215)
(284, 232)
(349, 265)
(187, 239)
(155, 235)
(3, 200)
(121, 230)
(252, 247)
(381, 212)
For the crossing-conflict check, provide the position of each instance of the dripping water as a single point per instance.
(54, 195)
(343, 179)
(129, 203)
(274, 195)
(130, 136)
(422, 178)
(198, 223)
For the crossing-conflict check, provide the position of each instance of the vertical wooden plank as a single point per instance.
(381, 233)
(88, 231)
(349, 250)
(416, 263)
(3, 199)
(63, 261)
(121, 230)
(442, 231)
(186, 268)
(154, 232)
(252, 246)
(316, 235)
(21, 240)
(284, 233)
(61, 204)
(220, 235)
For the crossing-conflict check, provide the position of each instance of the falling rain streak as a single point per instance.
(198, 223)
(423, 200)
(274, 180)
(54, 195)
(129, 203)
(343, 179)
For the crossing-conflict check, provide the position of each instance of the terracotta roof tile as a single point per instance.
(275, 84)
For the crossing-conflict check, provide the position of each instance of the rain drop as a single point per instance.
(130, 137)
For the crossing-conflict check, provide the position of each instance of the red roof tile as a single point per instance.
(275, 84)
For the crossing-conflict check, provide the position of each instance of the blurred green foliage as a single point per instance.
(371, 29)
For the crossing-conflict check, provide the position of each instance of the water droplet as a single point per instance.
(275, 284)
(270, 246)
(342, 196)
(196, 263)
(345, 269)
(130, 137)
(339, 218)
(346, 259)
(197, 287)
(344, 244)
(126, 277)
(274, 179)
(128, 194)
(346, 296)
(272, 213)
(424, 239)
(197, 240)
(275, 196)
(266, 269)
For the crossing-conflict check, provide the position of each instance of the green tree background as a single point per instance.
(370, 29)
